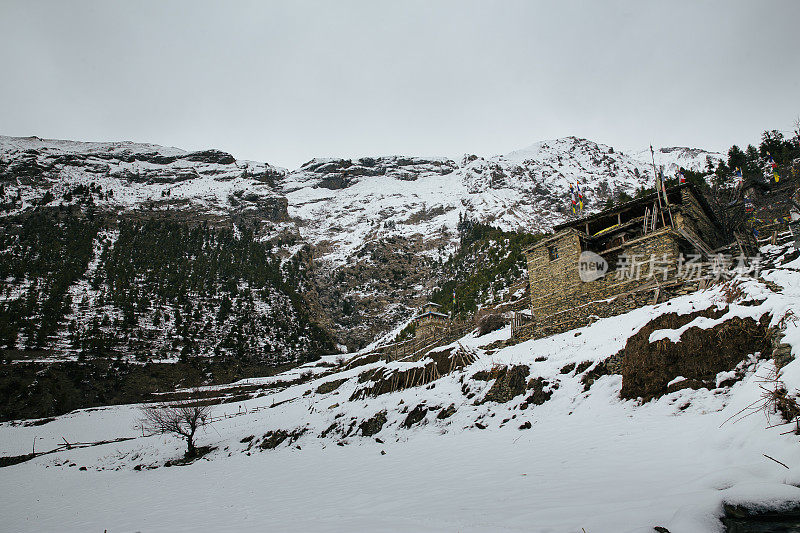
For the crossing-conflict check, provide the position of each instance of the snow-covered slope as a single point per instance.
(343, 203)
(440, 457)
(131, 175)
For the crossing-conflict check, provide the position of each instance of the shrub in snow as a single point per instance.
(183, 420)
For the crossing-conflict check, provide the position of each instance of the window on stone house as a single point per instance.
(552, 252)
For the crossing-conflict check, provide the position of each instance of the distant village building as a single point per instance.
(432, 328)
(619, 259)
(430, 321)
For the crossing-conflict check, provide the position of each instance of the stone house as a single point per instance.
(618, 259)
(430, 321)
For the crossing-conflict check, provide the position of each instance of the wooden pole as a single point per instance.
(658, 186)
(655, 174)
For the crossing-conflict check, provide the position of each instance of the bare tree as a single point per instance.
(182, 419)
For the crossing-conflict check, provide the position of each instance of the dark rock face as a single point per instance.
(603, 368)
(373, 425)
(701, 353)
(510, 382)
(334, 182)
(273, 439)
(341, 173)
(540, 394)
(759, 519)
(415, 416)
(269, 175)
(566, 369)
(211, 156)
(330, 386)
(447, 412)
(491, 322)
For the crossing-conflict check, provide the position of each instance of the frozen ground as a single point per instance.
(590, 461)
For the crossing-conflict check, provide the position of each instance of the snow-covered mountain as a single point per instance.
(373, 224)
(343, 203)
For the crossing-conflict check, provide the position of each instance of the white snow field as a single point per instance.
(589, 462)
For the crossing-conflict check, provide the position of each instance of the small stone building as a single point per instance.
(430, 321)
(638, 243)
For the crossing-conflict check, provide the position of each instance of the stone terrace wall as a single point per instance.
(589, 312)
(417, 347)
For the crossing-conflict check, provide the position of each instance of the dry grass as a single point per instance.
(732, 291)
(774, 400)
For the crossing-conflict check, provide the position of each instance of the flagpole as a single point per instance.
(658, 192)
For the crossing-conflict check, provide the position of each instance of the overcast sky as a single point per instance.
(287, 81)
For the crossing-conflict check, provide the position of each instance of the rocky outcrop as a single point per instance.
(510, 382)
(217, 157)
(373, 425)
(648, 368)
(415, 416)
(341, 173)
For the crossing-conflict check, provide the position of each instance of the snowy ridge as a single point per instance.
(340, 203)
(581, 459)
(132, 175)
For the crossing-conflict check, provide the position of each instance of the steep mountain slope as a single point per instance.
(77, 286)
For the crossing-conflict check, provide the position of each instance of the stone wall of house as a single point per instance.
(429, 325)
(550, 279)
(556, 286)
(585, 314)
